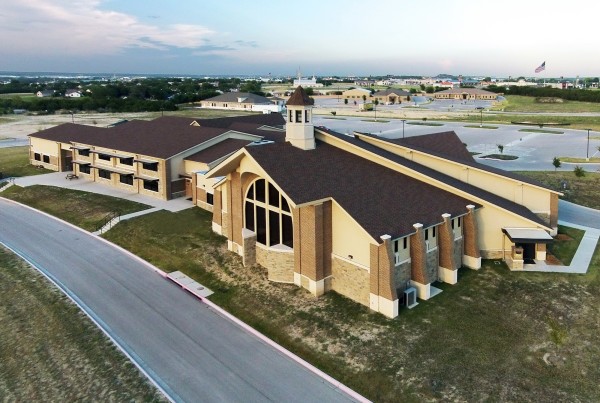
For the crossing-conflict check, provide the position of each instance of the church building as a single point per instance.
(373, 219)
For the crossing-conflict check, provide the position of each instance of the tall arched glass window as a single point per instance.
(268, 214)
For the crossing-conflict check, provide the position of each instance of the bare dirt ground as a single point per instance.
(20, 126)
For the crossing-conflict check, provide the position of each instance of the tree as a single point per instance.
(345, 101)
(364, 97)
(556, 162)
(334, 113)
(309, 91)
(500, 148)
(579, 171)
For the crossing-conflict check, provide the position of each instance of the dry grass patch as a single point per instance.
(50, 351)
(496, 335)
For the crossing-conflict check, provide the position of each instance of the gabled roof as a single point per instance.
(381, 200)
(448, 145)
(300, 98)
(466, 91)
(441, 177)
(390, 91)
(241, 97)
(218, 151)
(163, 137)
(445, 144)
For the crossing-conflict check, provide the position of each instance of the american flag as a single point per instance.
(541, 68)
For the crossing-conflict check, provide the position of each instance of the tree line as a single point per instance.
(549, 92)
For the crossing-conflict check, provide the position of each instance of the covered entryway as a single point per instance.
(528, 246)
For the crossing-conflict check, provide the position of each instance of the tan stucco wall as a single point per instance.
(349, 239)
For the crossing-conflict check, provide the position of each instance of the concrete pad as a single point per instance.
(58, 179)
(189, 284)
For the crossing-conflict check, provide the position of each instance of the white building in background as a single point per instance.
(306, 82)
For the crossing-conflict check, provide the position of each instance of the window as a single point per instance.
(290, 118)
(267, 213)
(150, 166)
(306, 116)
(84, 169)
(210, 198)
(126, 161)
(37, 157)
(151, 185)
(46, 159)
(104, 157)
(298, 116)
(401, 252)
(126, 179)
(103, 173)
(84, 153)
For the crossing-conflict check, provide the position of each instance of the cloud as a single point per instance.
(251, 44)
(81, 27)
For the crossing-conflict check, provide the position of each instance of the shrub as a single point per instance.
(579, 171)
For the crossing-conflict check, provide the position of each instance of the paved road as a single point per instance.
(194, 353)
(576, 214)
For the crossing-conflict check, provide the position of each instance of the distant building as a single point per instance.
(365, 83)
(44, 93)
(307, 82)
(243, 101)
(356, 93)
(71, 93)
(466, 94)
(392, 96)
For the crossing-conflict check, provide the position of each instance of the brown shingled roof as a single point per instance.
(380, 199)
(300, 98)
(218, 151)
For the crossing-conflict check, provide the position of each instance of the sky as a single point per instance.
(326, 37)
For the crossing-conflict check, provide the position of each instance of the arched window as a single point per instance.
(268, 214)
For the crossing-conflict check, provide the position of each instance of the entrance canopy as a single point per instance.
(527, 235)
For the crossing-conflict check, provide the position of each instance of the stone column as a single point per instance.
(472, 255)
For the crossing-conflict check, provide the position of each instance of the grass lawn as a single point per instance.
(565, 244)
(496, 335)
(579, 160)
(520, 103)
(572, 122)
(503, 157)
(50, 351)
(480, 127)
(18, 94)
(580, 190)
(541, 131)
(425, 123)
(83, 209)
(14, 161)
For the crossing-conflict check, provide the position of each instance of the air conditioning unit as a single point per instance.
(410, 297)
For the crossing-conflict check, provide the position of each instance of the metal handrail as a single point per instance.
(107, 219)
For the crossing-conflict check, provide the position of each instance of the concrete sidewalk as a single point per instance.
(58, 179)
(581, 261)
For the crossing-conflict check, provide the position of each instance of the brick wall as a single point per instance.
(446, 245)
(418, 256)
(236, 208)
(381, 279)
(553, 210)
(279, 264)
(350, 280)
(217, 210)
(470, 234)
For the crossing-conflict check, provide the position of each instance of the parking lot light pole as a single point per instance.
(403, 120)
(480, 115)
(587, 150)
